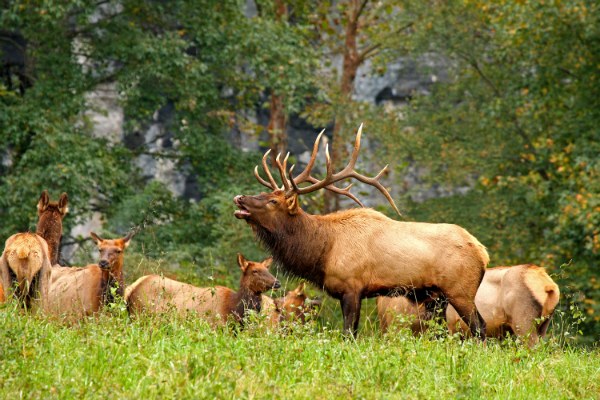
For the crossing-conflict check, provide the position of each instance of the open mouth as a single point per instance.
(242, 213)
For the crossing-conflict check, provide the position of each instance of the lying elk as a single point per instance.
(293, 307)
(77, 292)
(361, 253)
(24, 264)
(157, 294)
(416, 314)
(49, 226)
(519, 300)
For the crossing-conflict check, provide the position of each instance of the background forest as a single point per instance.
(502, 137)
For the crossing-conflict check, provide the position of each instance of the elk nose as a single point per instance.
(103, 264)
(276, 285)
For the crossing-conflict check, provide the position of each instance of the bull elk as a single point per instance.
(49, 226)
(24, 264)
(76, 292)
(156, 294)
(360, 253)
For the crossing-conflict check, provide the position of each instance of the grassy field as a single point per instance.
(113, 356)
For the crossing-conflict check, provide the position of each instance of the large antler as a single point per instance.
(330, 177)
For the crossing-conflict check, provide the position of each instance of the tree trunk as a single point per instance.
(352, 61)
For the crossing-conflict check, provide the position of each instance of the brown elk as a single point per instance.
(75, 292)
(24, 264)
(293, 307)
(49, 226)
(416, 314)
(361, 253)
(156, 294)
(519, 300)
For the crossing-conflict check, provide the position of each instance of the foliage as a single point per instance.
(520, 115)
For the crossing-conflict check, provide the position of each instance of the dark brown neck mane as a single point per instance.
(111, 279)
(300, 246)
(49, 227)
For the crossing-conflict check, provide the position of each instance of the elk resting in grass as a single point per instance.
(156, 294)
(75, 292)
(24, 264)
(49, 226)
(293, 307)
(361, 253)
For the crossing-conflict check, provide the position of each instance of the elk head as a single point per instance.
(268, 210)
(111, 251)
(46, 206)
(256, 276)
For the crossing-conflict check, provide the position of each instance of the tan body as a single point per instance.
(76, 292)
(510, 299)
(155, 294)
(518, 300)
(24, 263)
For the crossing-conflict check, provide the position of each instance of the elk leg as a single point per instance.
(468, 312)
(524, 326)
(351, 303)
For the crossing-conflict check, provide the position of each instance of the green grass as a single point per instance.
(113, 356)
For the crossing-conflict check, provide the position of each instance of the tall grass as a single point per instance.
(113, 356)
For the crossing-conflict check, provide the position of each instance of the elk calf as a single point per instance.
(78, 292)
(156, 294)
(24, 264)
(49, 226)
(416, 314)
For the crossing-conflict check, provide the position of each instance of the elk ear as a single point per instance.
(43, 202)
(300, 289)
(128, 238)
(63, 204)
(278, 303)
(292, 204)
(242, 262)
(267, 262)
(96, 238)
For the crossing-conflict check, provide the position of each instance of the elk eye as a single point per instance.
(273, 201)
(255, 272)
(118, 251)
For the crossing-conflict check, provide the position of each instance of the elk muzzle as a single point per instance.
(104, 264)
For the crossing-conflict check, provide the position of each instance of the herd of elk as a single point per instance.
(361, 253)
(352, 255)
(157, 294)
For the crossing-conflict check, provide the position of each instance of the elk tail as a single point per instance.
(23, 252)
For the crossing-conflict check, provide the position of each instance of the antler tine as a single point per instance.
(282, 170)
(271, 184)
(374, 181)
(302, 177)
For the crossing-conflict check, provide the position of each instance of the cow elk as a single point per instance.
(519, 300)
(156, 295)
(76, 292)
(24, 264)
(361, 253)
(49, 226)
